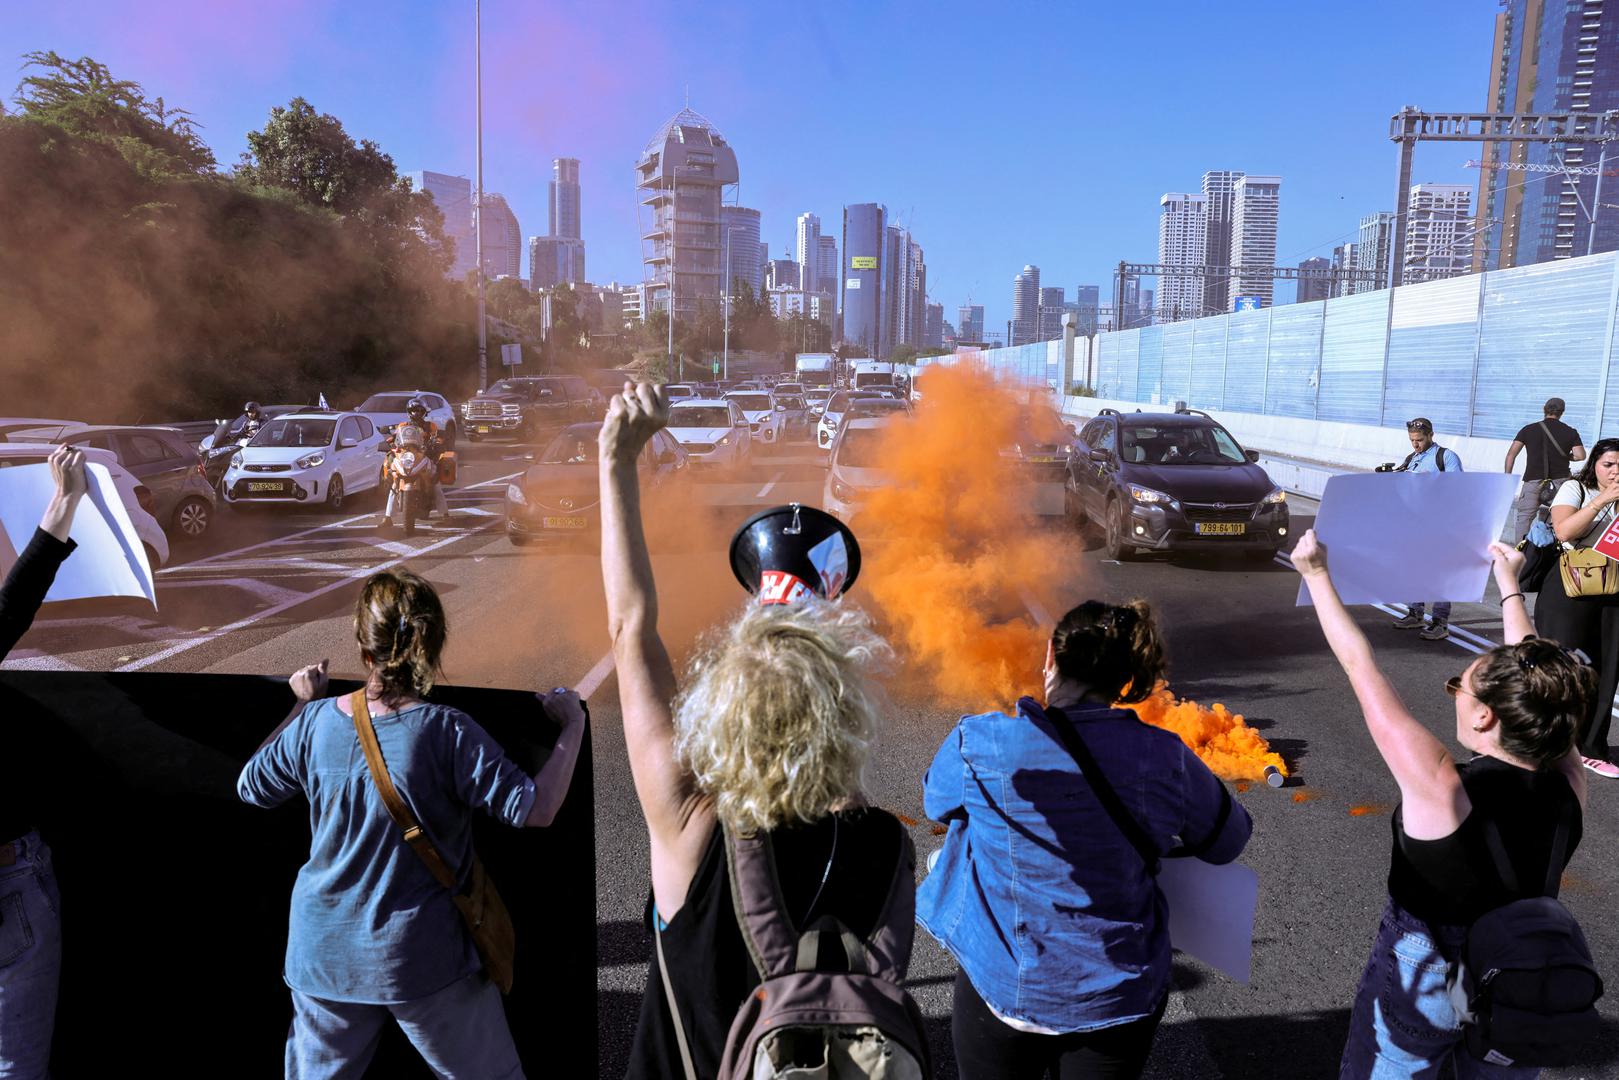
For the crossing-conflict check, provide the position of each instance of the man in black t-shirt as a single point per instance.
(1551, 445)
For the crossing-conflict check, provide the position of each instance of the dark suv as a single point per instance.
(1173, 481)
(530, 407)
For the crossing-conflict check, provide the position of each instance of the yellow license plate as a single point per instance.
(273, 485)
(1221, 528)
(565, 522)
(483, 429)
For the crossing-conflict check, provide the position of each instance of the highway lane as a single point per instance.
(535, 619)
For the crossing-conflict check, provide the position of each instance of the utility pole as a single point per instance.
(477, 214)
(1596, 201)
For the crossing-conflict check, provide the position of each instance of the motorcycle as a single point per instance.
(217, 449)
(413, 467)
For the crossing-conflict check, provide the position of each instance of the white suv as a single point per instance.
(307, 457)
(765, 418)
(713, 431)
(388, 408)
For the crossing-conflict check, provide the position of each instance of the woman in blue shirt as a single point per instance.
(1061, 933)
(374, 938)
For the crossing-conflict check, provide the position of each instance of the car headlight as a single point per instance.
(844, 492)
(311, 461)
(515, 494)
(236, 460)
(1275, 498)
(1149, 497)
(725, 440)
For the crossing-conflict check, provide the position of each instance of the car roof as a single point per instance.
(1167, 420)
(45, 450)
(748, 391)
(314, 414)
(82, 429)
(405, 393)
(717, 402)
(588, 428)
(864, 422)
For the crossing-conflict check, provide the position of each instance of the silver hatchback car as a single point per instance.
(166, 463)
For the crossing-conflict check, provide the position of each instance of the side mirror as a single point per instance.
(1100, 456)
(781, 408)
(1252, 455)
(347, 444)
(545, 393)
(1073, 432)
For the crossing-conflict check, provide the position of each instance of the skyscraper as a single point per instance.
(555, 260)
(1438, 232)
(739, 242)
(904, 290)
(453, 197)
(1053, 305)
(970, 322)
(1313, 288)
(826, 273)
(685, 168)
(1346, 257)
(1373, 251)
(1087, 304)
(502, 239)
(865, 234)
(1548, 58)
(1025, 306)
(782, 274)
(1220, 213)
(564, 197)
(1182, 232)
(933, 327)
(807, 250)
(1253, 238)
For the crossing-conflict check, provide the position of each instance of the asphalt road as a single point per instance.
(268, 592)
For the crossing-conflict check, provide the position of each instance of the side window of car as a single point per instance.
(349, 430)
(366, 428)
(142, 450)
(434, 401)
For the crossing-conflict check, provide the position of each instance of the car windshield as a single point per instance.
(817, 397)
(1181, 444)
(386, 403)
(1043, 425)
(753, 402)
(792, 401)
(695, 416)
(295, 432)
(859, 448)
(875, 407)
(505, 386)
(571, 448)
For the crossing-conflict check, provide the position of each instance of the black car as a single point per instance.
(529, 408)
(559, 498)
(1173, 481)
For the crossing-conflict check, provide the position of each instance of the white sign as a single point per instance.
(110, 559)
(1408, 537)
(1211, 912)
(511, 355)
(852, 283)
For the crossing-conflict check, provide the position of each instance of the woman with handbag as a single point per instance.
(1579, 605)
(1516, 710)
(1044, 890)
(376, 933)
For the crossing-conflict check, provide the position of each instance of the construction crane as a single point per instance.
(1524, 166)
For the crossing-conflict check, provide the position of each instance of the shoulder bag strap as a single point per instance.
(1553, 440)
(674, 1006)
(1103, 790)
(414, 836)
(1557, 856)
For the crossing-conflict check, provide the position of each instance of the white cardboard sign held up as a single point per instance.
(109, 559)
(1211, 912)
(1405, 537)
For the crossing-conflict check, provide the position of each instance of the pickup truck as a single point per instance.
(530, 407)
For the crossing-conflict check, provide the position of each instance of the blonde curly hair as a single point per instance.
(777, 722)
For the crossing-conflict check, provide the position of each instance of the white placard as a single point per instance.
(852, 283)
(511, 354)
(1408, 537)
(110, 559)
(1211, 912)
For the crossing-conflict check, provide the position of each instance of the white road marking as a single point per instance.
(595, 676)
(766, 489)
(301, 598)
(42, 662)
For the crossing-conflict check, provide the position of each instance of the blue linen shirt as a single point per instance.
(1043, 902)
(370, 923)
(1428, 461)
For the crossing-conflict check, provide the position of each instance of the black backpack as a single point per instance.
(1525, 986)
(1439, 459)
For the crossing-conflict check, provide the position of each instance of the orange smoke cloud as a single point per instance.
(1221, 738)
(951, 543)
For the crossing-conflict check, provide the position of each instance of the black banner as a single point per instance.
(175, 894)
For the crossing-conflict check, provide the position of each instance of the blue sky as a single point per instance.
(1001, 135)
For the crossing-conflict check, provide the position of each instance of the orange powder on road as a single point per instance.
(1221, 738)
(1367, 809)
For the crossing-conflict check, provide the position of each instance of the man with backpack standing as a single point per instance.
(1549, 445)
(1426, 456)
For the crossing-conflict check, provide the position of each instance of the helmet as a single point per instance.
(786, 552)
(251, 408)
(416, 409)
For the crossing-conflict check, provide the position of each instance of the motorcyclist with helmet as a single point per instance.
(252, 419)
(432, 445)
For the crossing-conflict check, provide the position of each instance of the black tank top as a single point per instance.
(1452, 881)
(708, 960)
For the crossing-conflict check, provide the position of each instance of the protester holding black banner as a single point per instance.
(1058, 818)
(1587, 618)
(1548, 446)
(375, 936)
(1516, 709)
(30, 905)
(770, 738)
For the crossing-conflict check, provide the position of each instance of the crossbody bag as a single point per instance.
(481, 907)
(1548, 486)
(1586, 571)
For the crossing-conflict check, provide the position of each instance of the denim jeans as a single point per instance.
(460, 1031)
(1402, 1026)
(30, 960)
(1441, 610)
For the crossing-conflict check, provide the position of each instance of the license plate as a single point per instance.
(266, 485)
(1037, 460)
(565, 522)
(1221, 528)
(483, 429)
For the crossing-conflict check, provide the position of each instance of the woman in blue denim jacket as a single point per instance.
(1060, 931)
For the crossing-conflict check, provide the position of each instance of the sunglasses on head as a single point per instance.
(1453, 685)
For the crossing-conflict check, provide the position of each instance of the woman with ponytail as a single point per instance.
(1048, 906)
(374, 937)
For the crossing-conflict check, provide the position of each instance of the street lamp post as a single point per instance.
(730, 283)
(477, 214)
